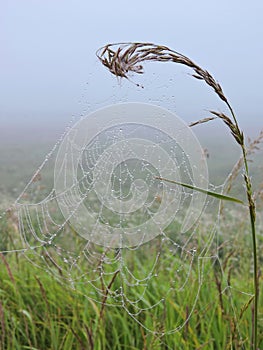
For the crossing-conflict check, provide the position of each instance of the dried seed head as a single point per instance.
(124, 58)
(201, 121)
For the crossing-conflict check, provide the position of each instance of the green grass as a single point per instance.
(39, 312)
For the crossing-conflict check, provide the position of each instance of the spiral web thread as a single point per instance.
(124, 276)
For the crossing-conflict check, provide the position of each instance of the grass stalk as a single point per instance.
(252, 215)
(124, 58)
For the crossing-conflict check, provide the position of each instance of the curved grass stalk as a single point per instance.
(123, 58)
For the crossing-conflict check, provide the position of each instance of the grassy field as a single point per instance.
(41, 310)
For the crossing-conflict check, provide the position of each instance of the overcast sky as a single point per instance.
(48, 53)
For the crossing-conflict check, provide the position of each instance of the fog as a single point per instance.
(50, 74)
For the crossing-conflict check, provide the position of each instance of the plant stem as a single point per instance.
(256, 282)
(252, 214)
(254, 244)
(129, 58)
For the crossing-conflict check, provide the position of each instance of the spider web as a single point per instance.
(109, 228)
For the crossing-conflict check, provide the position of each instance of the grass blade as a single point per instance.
(209, 193)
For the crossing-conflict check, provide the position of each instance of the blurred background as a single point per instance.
(50, 76)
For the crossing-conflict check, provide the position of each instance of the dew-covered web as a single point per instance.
(110, 226)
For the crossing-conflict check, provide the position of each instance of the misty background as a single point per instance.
(49, 73)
